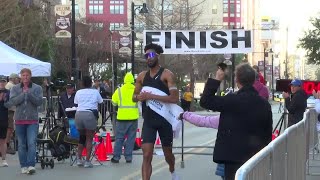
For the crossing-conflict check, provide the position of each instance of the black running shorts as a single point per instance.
(152, 126)
(3, 132)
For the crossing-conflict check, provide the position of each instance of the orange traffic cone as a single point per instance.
(275, 134)
(84, 152)
(158, 141)
(138, 138)
(101, 152)
(109, 148)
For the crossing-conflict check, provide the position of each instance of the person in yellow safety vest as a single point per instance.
(127, 119)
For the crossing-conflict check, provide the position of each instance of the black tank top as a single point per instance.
(154, 82)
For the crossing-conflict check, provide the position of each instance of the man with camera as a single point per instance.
(296, 103)
(245, 124)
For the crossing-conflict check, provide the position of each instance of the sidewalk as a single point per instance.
(314, 168)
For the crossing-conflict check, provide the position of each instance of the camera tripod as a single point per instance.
(281, 123)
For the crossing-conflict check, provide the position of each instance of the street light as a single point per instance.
(272, 75)
(74, 63)
(142, 10)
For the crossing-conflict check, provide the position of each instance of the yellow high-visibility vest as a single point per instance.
(122, 97)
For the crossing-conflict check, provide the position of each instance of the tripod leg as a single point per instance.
(282, 120)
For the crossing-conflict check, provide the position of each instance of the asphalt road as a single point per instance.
(195, 166)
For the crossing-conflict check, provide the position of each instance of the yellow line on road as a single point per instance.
(161, 164)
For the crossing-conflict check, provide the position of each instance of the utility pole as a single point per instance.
(74, 63)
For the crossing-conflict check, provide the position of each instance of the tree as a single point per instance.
(311, 42)
(26, 29)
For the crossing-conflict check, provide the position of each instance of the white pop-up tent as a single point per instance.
(12, 61)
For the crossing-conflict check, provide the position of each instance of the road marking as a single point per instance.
(160, 165)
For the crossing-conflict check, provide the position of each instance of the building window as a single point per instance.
(238, 25)
(117, 7)
(116, 26)
(232, 25)
(225, 15)
(225, 1)
(232, 10)
(225, 8)
(238, 8)
(238, 15)
(95, 7)
(139, 27)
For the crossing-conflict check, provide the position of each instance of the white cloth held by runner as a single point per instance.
(169, 111)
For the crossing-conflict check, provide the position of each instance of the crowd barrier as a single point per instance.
(105, 110)
(287, 157)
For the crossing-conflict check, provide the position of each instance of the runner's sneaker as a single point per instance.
(24, 170)
(31, 170)
(175, 176)
(4, 163)
(88, 164)
(80, 162)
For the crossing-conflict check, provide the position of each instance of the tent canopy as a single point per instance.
(12, 61)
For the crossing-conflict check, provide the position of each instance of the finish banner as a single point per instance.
(235, 41)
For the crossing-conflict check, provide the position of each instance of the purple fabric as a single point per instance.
(262, 89)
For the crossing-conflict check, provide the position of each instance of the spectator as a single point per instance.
(242, 131)
(26, 96)
(103, 93)
(317, 106)
(4, 97)
(86, 118)
(261, 88)
(67, 100)
(208, 122)
(261, 78)
(14, 79)
(187, 96)
(127, 119)
(296, 103)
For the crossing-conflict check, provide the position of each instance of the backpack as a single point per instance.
(58, 147)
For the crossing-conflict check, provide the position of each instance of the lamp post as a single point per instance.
(272, 75)
(74, 63)
(143, 10)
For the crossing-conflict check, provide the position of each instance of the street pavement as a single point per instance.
(195, 166)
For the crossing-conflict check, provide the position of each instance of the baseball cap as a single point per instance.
(296, 82)
(13, 76)
(70, 85)
(3, 79)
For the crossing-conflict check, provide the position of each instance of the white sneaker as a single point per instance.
(24, 170)
(88, 164)
(175, 176)
(4, 163)
(31, 170)
(80, 162)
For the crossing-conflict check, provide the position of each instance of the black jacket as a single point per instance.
(67, 103)
(245, 125)
(296, 105)
(4, 109)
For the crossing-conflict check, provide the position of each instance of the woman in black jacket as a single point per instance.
(4, 97)
(245, 120)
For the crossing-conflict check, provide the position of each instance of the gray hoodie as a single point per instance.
(26, 103)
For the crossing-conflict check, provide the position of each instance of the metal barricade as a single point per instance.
(287, 156)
